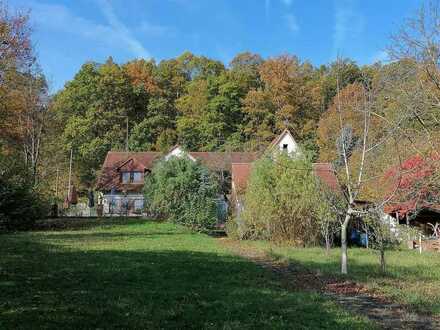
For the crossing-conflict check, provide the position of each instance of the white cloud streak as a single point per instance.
(122, 31)
(113, 33)
(292, 23)
(266, 8)
(348, 25)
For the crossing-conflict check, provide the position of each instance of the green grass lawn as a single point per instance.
(411, 279)
(140, 274)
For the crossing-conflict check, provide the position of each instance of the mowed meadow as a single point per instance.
(411, 279)
(130, 273)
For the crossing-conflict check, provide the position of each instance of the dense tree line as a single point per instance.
(195, 101)
(204, 104)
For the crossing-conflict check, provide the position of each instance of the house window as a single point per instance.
(285, 146)
(136, 177)
(131, 177)
(125, 177)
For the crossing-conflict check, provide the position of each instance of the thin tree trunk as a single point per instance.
(327, 243)
(382, 260)
(344, 243)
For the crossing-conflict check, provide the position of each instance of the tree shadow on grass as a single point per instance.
(87, 223)
(46, 286)
(395, 281)
(110, 235)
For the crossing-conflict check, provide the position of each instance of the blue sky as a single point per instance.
(71, 32)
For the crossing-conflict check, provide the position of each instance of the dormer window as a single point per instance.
(131, 177)
(285, 147)
(125, 177)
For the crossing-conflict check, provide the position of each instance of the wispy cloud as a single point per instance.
(121, 30)
(348, 25)
(267, 8)
(113, 33)
(292, 23)
(154, 30)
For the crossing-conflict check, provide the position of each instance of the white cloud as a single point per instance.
(267, 8)
(122, 31)
(292, 23)
(348, 25)
(154, 30)
(58, 18)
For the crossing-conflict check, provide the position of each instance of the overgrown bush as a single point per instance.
(184, 191)
(21, 204)
(280, 202)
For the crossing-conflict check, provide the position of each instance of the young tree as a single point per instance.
(370, 135)
(383, 233)
(327, 210)
(360, 130)
(21, 203)
(33, 119)
(279, 201)
(184, 191)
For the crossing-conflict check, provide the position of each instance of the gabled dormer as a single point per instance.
(285, 143)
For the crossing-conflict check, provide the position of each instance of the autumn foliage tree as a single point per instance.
(286, 99)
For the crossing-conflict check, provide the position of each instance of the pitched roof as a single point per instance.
(223, 160)
(115, 162)
(324, 171)
(240, 176)
(117, 158)
(129, 161)
(279, 137)
(327, 174)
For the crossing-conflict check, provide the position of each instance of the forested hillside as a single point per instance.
(207, 105)
(197, 102)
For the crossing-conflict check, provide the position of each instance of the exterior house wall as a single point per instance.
(119, 203)
(292, 146)
(118, 196)
(178, 152)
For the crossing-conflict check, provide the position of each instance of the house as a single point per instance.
(122, 174)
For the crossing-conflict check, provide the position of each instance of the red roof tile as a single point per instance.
(116, 158)
(223, 160)
(326, 173)
(115, 162)
(240, 176)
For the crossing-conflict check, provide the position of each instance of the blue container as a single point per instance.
(363, 240)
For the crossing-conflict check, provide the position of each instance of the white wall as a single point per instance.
(178, 152)
(292, 146)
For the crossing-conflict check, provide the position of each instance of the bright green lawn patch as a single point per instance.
(146, 275)
(411, 279)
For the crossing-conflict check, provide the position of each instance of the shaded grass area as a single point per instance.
(140, 274)
(411, 279)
